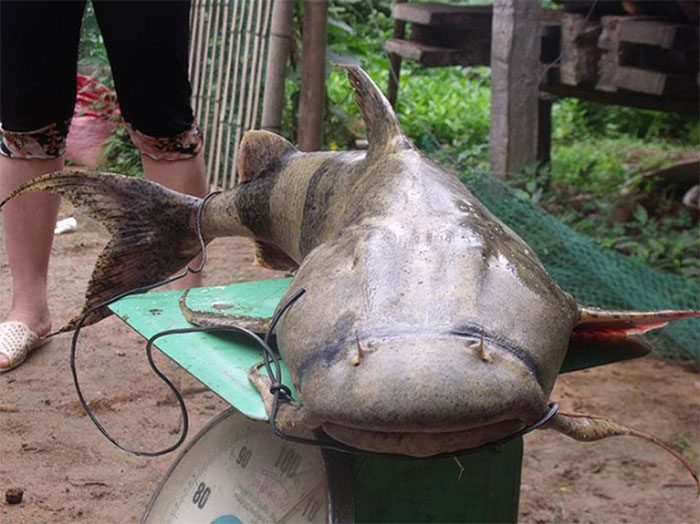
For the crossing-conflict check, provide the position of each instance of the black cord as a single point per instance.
(79, 325)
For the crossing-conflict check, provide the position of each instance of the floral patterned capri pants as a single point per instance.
(147, 46)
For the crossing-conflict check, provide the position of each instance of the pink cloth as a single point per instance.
(94, 119)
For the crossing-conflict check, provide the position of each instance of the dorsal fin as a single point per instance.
(259, 153)
(383, 131)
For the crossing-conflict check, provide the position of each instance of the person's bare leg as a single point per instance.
(186, 176)
(28, 224)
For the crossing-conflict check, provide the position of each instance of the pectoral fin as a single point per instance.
(270, 256)
(290, 419)
(589, 428)
(599, 321)
(209, 319)
(602, 336)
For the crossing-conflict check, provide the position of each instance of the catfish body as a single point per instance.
(426, 326)
(405, 273)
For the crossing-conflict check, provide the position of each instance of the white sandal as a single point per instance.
(17, 340)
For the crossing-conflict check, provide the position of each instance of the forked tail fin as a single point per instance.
(588, 428)
(153, 230)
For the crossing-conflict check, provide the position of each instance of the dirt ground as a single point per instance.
(70, 473)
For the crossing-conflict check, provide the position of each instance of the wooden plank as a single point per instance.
(430, 13)
(673, 104)
(433, 56)
(446, 35)
(640, 80)
(648, 31)
(654, 82)
(392, 91)
(312, 98)
(641, 55)
(671, 61)
(515, 72)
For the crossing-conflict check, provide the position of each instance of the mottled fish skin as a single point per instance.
(410, 274)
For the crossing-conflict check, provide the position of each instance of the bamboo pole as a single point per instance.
(229, 40)
(211, 82)
(199, 44)
(264, 48)
(313, 76)
(230, 176)
(194, 20)
(206, 48)
(249, 109)
(277, 57)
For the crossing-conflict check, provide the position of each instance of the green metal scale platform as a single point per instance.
(236, 470)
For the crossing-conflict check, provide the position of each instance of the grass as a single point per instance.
(599, 153)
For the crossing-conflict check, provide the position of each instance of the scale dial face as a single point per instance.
(236, 470)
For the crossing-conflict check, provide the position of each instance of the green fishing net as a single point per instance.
(596, 276)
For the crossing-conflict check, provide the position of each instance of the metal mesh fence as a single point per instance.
(595, 276)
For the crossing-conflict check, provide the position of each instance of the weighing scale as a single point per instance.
(236, 470)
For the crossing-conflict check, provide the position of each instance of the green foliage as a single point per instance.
(598, 151)
(92, 55)
(594, 187)
(120, 154)
(576, 119)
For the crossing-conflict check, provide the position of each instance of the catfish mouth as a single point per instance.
(423, 393)
(428, 444)
(423, 443)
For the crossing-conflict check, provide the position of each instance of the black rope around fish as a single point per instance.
(271, 362)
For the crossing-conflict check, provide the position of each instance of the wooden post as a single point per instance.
(515, 72)
(392, 90)
(544, 129)
(312, 100)
(277, 56)
(579, 49)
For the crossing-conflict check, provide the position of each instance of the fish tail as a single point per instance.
(589, 428)
(153, 230)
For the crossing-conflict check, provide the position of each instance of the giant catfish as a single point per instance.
(427, 326)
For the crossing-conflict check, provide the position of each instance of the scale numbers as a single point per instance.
(235, 470)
